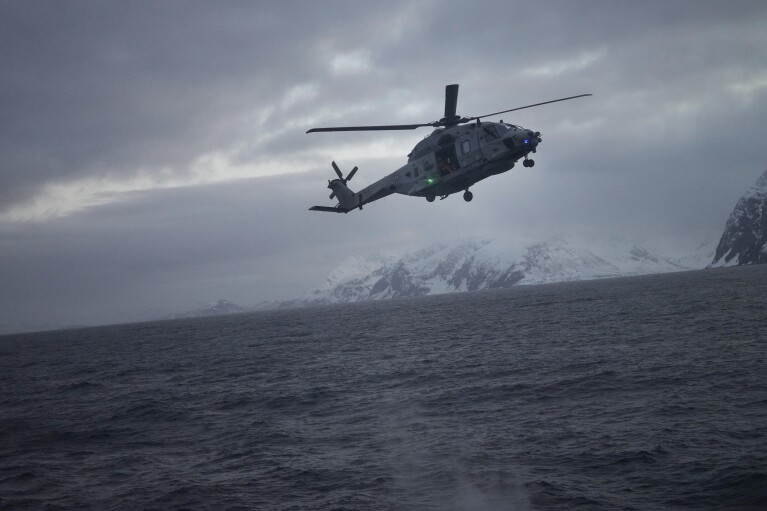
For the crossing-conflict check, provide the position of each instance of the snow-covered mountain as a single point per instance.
(482, 264)
(744, 240)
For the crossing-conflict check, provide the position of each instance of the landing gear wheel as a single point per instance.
(430, 198)
(467, 196)
(528, 163)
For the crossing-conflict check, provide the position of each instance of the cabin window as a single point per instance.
(490, 132)
(465, 146)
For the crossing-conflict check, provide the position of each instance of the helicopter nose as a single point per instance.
(525, 138)
(531, 139)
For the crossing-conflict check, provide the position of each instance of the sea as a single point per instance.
(639, 393)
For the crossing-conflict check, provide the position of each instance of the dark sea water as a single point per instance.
(636, 393)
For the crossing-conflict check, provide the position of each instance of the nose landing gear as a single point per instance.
(528, 163)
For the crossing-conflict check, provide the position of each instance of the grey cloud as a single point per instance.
(92, 88)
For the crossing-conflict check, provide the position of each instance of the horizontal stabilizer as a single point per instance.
(328, 209)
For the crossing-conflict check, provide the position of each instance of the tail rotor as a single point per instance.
(341, 177)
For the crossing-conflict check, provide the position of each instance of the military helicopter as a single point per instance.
(449, 160)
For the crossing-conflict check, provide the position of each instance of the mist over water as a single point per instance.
(636, 393)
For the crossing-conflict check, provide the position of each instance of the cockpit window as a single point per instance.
(490, 132)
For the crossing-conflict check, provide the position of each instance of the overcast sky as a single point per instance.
(153, 156)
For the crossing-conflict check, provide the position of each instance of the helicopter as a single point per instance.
(460, 152)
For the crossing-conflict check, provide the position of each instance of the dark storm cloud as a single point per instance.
(116, 92)
(95, 88)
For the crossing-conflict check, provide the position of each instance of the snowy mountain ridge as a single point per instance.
(471, 265)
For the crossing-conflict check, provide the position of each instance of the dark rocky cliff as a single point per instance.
(744, 240)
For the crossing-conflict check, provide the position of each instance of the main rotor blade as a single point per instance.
(451, 99)
(528, 106)
(371, 128)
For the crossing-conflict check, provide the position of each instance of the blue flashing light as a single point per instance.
(525, 141)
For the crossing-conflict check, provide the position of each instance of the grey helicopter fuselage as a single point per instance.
(447, 161)
(457, 154)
